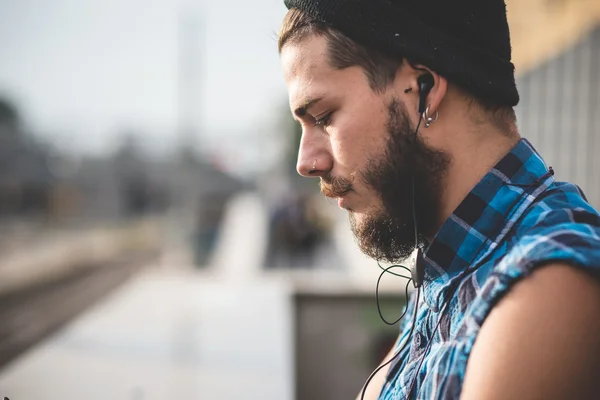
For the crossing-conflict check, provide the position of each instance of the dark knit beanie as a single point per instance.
(466, 41)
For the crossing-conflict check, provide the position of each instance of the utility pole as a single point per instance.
(190, 49)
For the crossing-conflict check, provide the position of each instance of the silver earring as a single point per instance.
(314, 166)
(429, 120)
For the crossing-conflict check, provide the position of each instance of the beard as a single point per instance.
(388, 234)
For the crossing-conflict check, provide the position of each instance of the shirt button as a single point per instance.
(418, 339)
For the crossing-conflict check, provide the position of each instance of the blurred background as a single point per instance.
(155, 239)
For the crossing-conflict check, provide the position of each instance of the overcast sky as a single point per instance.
(82, 69)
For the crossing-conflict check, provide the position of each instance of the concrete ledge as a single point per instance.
(242, 244)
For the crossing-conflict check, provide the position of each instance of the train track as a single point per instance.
(29, 316)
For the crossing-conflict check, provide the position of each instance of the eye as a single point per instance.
(324, 121)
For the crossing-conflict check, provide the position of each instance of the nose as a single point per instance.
(314, 156)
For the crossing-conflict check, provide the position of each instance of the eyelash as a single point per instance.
(324, 122)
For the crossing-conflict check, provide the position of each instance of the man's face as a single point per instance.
(363, 148)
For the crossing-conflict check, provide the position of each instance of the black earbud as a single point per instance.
(425, 83)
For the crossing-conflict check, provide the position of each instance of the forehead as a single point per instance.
(307, 72)
(301, 56)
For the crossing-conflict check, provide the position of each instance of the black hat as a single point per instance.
(466, 41)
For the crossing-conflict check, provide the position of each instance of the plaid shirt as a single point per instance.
(515, 219)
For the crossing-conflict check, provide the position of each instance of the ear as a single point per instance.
(438, 91)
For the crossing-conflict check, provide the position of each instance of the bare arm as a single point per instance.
(542, 341)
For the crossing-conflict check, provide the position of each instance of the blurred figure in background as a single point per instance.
(297, 229)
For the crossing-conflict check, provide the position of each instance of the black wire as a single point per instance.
(407, 340)
(393, 273)
(386, 270)
(470, 270)
(546, 175)
(377, 293)
(414, 211)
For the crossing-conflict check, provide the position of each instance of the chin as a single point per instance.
(359, 218)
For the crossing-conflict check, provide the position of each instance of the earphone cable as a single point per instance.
(401, 349)
(467, 270)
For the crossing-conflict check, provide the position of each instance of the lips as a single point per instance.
(343, 201)
(335, 187)
(328, 191)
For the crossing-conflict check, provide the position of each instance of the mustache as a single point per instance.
(335, 186)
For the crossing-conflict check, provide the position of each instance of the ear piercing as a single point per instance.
(429, 119)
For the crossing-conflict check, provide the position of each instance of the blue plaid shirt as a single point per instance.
(515, 219)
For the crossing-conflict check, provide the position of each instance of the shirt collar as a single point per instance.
(482, 219)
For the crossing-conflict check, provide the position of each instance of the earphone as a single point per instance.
(417, 262)
(425, 83)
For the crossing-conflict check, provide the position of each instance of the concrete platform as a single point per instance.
(168, 335)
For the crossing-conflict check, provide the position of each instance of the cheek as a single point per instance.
(353, 144)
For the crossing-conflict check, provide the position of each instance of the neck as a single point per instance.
(474, 152)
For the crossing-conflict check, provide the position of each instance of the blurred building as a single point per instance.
(558, 111)
(26, 182)
(128, 186)
(40, 188)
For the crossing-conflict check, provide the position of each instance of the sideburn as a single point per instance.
(389, 235)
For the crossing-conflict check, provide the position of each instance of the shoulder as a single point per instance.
(559, 227)
(542, 340)
(540, 333)
(561, 203)
(553, 231)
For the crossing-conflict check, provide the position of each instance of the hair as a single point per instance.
(379, 68)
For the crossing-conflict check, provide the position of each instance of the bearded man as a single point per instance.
(407, 114)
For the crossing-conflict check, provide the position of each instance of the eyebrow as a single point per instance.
(301, 111)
